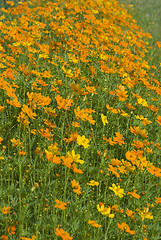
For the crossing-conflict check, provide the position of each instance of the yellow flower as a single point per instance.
(117, 190)
(53, 149)
(82, 140)
(104, 210)
(93, 183)
(75, 157)
(104, 119)
(142, 102)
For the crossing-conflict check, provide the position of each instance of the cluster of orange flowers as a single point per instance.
(55, 93)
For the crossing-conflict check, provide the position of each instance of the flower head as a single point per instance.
(117, 190)
(82, 140)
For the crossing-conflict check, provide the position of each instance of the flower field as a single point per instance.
(80, 119)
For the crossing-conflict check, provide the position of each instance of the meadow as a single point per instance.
(80, 120)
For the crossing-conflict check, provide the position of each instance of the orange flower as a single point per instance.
(129, 106)
(137, 144)
(61, 233)
(60, 204)
(14, 102)
(130, 214)
(29, 111)
(75, 124)
(22, 153)
(121, 93)
(119, 138)
(158, 44)
(158, 200)
(67, 160)
(125, 227)
(84, 114)
(158, 120)
(115, 208)
(109, 140)
(76, 187)
(1, 108)
(11, 230)
(63, 103)
(137, 130)
(154, 171)
(91, 89)
(46, 134)
(93, 224)
(4, 237)
(75, 169)
(113, 170)
(6, 210)
(134, 194)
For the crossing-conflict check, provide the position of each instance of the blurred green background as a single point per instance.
(147, 13)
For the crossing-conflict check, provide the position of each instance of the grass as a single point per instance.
(148, 16)
(80, 122)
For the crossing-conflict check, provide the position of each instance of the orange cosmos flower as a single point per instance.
(121, 93)
(75, 169)
(60, 204)
(91, 89)
(11, 230)
(118, 138)
(158, 44)
(63, 103)
(137, 130)
(46, 134)
(1, 139)
(154, 171)
(134, 194)
(61, 233)
(4, 237)
(76, 187)
(14, 102)
(109, 140)
(6, 210)
(75, 124)
(94, 224)
(67, 160)
(1, 108)
(125, 227)
(115, 208)
(22, 153)
(128, 166)
(130, 214)
(158, 120)
(29, 111)
(113, 170)
(158, 200)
